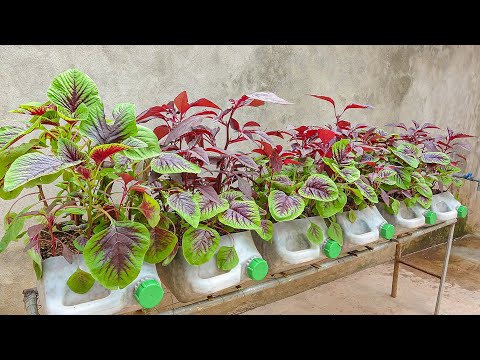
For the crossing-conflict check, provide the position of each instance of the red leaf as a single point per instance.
(259, 151)
(342, 124)
(325, 135)
(218, 150)
(138, 188)
(101, 152)
(267, 147)
(234, 124)
(330, 100)
(126, 178)
(205, 103)
(291, 161)
(256, 103)
(275, 133)
(82, 170)
(161, 131)
(251, 123)
(181, 102)
(357, 106)
(276, 161)
(153, 112)
(311, 132)
(460, 135)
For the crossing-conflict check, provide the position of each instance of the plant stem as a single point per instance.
(42, 195)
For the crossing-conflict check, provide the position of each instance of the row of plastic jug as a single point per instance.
(289, 248)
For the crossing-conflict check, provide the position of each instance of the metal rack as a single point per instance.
(401, 240)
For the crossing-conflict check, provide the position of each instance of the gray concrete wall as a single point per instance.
(439, 84)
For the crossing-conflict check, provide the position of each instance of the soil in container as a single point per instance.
(46, 246)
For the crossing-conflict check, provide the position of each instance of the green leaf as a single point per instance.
(408, 153)
(241, 215)
(423, 189)
(80, 242)
(265, 231)
(329, 208)
(71, 210)
(209, 208)
(367, 191)
(282, 182)
(347, 173)
(80, 281)
(99, 131)
(386, 176)
(72, 88)
(231, 195)
(424, 202)
(8, 134)
(319, 187)
(285, 207)
(152, 148)
(170, 163)
(199, 245)
(227, 258)
(151, 209)
(410, 202)
(315, 234)
(8, 156)
(402, 177)
(163, 243)
(352, 216)
(115, 255)
(335, 233)
(12, 230)
(32, 166)
(9, 195)
(34, 254)
(68, 151)
(435, 158)
(394, 207)
(457, 182)
(340, 154)
(187, 206)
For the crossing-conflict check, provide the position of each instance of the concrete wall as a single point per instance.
(439, 84)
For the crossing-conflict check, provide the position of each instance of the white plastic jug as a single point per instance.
(408, 218)
(188, 283)
(56, 297)
(447, 207)
(290, 247)
(367, 228)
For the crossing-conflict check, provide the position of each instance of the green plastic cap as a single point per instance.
(257, 269)
(430, 217)
(387, 231)
(462, 211)
(332, 249)
(149, 293)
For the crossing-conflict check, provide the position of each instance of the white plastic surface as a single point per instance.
(188, 283)
(290, 246)
(445, 205)
(56, 297)
(406, 219)
(365, 229)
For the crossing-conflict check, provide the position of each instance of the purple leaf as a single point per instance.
(209, 192)
(67, 253)
(241, 215)
(201, 154)
(319, 187)
(183, 127)
(34, 230)
(187, 206)
(68, 151)
(385, 197)
(285, 207)
(245, 188)
(199, 245)
(247, 161)
(162, 244)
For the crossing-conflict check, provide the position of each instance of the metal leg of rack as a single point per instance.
(398, 261)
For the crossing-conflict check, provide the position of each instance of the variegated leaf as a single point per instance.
(285, 207)
(319, 187)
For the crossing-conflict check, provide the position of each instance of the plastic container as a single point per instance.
(368, 227)
(407, 218)
(57, 298)
(447, 207)
(188, 283)
(290, 247)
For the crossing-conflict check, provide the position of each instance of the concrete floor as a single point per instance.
(368, 291)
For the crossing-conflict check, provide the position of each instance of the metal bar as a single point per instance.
(30, 297)
(445, 268)
(396, 268)
(419, 269)
(423, 231)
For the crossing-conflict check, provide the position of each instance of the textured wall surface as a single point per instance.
(438, 84)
